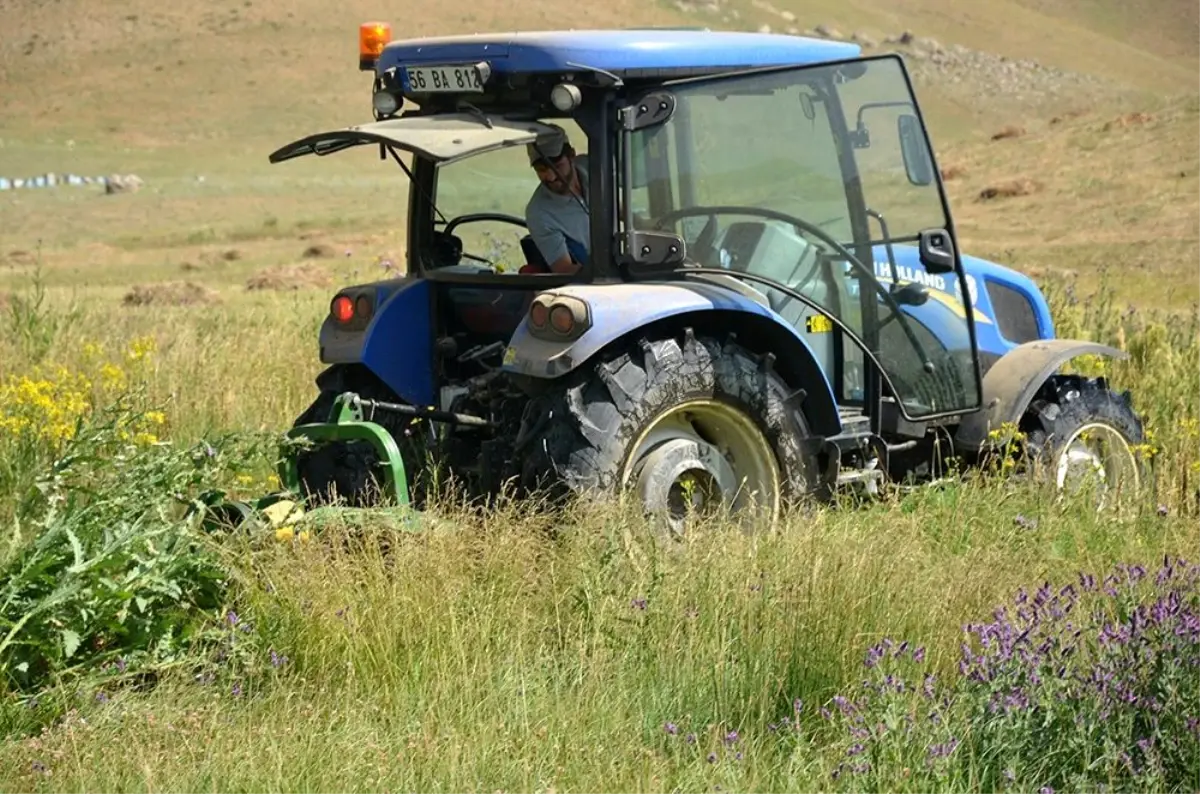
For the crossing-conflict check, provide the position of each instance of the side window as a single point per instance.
(655, 186)
(875, 102)
(770, 149)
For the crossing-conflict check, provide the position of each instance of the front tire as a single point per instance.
(1077, 428)
(684, 421)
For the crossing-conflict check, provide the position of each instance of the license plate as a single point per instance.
(442, 79)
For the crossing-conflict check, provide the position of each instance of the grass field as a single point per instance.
(506, 652)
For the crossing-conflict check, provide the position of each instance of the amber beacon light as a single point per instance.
(372, 38)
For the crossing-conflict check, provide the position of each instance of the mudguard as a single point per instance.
(397, 346)
(617, 310)
(1012, 382)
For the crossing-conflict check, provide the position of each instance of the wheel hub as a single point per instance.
(1096, 450)
(702, 455)
(685, 474)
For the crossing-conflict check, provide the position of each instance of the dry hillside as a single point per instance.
(192, 97)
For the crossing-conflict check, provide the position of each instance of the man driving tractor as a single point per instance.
(557, 212)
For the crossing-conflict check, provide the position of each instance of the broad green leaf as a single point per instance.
(70, 643)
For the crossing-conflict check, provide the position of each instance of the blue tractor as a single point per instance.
(755, 295)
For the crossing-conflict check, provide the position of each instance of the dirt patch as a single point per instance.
(171, 293)
(289, 277)
(1070, 114)
(1011, 131)
(1128, 120)
(953, 172)
(1010, 189)
(318, 251)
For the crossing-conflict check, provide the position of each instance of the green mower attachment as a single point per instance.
(282, 510)
(346, 423)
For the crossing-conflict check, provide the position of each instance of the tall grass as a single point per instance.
(516, 650)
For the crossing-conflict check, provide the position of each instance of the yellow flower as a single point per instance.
(113, 377)
(156, 417)
(145, 439)
(141, 348)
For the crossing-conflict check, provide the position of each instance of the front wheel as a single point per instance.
(688, 423)
(1082, 432)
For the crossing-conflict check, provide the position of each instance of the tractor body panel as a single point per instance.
(617, 311)
(1007, 307)
(396, 344)
(631, 54)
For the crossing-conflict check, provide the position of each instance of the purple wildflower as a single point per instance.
(671, 728)
(731, 737)
(638, 603)
(712, 758)
(691, 738)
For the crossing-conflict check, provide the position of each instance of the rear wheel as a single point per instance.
(1082, 431)
(688, 424)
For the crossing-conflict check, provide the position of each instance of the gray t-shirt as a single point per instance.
(555, 219)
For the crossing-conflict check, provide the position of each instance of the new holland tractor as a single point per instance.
(755, 297)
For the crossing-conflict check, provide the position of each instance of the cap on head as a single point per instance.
(550, 146)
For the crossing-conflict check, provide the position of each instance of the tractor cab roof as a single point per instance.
(644, 53)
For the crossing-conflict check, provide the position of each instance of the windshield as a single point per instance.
(762, 173)
(484, 203)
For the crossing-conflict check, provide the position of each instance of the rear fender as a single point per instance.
(1010, 385)
(618, 311)
(396, 345)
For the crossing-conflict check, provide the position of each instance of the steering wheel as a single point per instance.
(712, 211)
(476, 217)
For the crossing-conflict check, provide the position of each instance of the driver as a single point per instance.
(557, 212)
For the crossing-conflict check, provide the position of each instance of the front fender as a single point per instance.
(1012, 382)
(618, 310)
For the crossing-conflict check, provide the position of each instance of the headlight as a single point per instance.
(385, 103)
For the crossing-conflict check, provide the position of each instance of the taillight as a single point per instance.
(562, 320)
(363, 307)
(342, 309)
(559, 317)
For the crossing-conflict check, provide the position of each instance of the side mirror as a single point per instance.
(917, 163)
(911, 294)
(936, 251)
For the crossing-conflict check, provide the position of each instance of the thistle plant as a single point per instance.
(1091, 684)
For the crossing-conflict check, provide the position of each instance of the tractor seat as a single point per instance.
(535, 262)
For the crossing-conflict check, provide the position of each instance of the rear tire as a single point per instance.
(670, 418)
(1076, 426)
